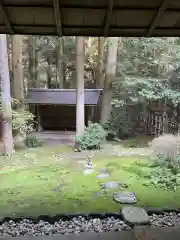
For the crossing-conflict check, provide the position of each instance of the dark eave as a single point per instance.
(91, 17)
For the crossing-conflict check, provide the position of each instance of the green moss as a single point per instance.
(35, 183)
(141, 141)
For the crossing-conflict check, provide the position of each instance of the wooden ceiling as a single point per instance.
(91, 17)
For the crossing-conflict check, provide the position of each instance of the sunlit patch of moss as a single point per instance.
(49, 187)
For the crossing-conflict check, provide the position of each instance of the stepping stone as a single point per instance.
(135, 215)
(125, 197)
(110, 185)
(89, 166)
(104, 170)
(102, 175)
(100, 194)
(88, 171)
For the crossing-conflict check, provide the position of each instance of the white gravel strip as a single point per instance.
(80, 224)
(74, 226)
(171, 219)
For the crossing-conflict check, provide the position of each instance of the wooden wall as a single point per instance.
(59, 117)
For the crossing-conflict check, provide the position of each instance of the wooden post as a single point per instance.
(80, 120)
(7, 137)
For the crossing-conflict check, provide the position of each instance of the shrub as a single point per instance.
(121, 123)
(166, 148)
(32, 141)
(165, 178)
(22, 121)
(92, 138)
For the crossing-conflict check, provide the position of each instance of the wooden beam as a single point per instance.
(57, 15)
(6, 20)
(159, 13)
(108, 17)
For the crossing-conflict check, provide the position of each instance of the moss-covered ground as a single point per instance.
(44, 181)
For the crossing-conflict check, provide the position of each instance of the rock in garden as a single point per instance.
(110, 185)
(88, 171)
(104, 170)
(99, 194)
(135, 215)
(125, 197)
(103, 175)
(75, 225)
(89, 166)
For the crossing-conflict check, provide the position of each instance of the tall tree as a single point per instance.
(32, 42)
(80, 121)
(17, 81)
(60, 62)
(100, 68)
(109, 78)
(5, 97)
(49, 71)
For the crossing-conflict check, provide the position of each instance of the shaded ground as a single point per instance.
(140, 233)
(50, 180)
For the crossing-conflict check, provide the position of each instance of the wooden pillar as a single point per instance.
(7, 137)
(80, 119)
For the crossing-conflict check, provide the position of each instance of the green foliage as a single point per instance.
(166, 174)
(120, 123)
(92, 138)
(143, 77)
(22, 119)
(32, 141)
(165, 178)
(21, 122)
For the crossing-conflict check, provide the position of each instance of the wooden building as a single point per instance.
(55, 109)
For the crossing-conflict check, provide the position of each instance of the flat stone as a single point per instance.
(110, 185)
(99, 194)
(104, 170)
(81, 161)
(135, 215)
(125, 197)
(88, 171)
(103, 175)
(89, 166)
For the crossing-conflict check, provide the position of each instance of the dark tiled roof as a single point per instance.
(61, 96)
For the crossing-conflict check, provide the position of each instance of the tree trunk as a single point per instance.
(100, 70)
(60, 63)
(99, 77)
(109, 78)
(32, 61)
(49, 71)
(80, 119)
(7, 137)
(18, 83)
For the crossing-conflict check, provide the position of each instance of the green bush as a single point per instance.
(92, 138)
(22, 120)
(32, 141)
(165, 178)
(120, 123)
